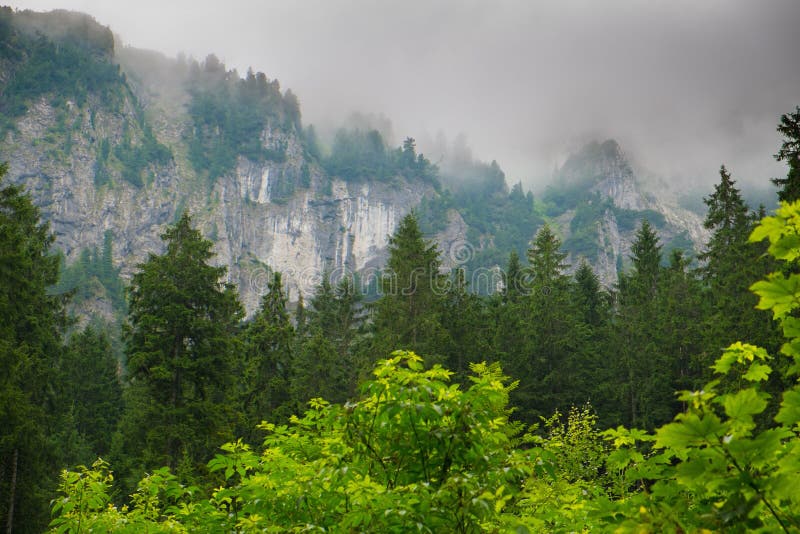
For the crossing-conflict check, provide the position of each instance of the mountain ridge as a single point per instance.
(125, 161)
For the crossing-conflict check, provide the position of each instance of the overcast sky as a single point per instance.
(684, 85)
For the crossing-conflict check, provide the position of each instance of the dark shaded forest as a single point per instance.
(586, 363)
(666, 402)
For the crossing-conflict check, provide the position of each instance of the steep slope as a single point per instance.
(599, 203)
(115, 143)
(131, 156)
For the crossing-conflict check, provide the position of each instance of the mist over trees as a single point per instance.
(667, 401)
(474, 447)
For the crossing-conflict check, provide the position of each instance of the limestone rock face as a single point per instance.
(604, 171)
(345, 227)
(279, 213)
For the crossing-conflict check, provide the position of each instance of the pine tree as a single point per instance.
(513, 278)
(591, 379)
(641, 367)
(591, 298)
(547, 262)
(91, 387)
(789, 127)
(507, 311)
(553, 335)
(180, 342)
(30, 350)
(732, 264)
(681, 323)
(408, 314)
(267, 342)
(319, 371)
(469, 328)
(642, 284)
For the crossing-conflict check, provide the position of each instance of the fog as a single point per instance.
(684, 86)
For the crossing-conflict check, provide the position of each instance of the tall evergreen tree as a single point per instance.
(681, 327)
(180, 341)
(591, 378)
(731, 265)
(553, 336)
(789, 127)
(513, 281)
(267, 343)
(408, 314)
(92, 389)
(641, 368)
(469, 327)
(508, 311)
(30, 350)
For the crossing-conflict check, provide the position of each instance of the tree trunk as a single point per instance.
(12, 492)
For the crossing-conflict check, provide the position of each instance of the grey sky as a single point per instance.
(683, 85)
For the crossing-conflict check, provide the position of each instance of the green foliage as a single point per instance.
(30, 350)
(179, 347)
(229, 116)
(713, 468)
(92, 275)
(413, 452)
(71, 69)
(357, 155)
(136, 158)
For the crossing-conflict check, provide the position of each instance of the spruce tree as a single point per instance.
(92, 389)
(513, 281)
(681, 326)
(408, 314)
(553, 336)
(180, 349)
(591, 378)
(789, 127)
(731, 265)
(640, 367)
(469, 328)
(30, 350)
(267, 342)
(507, 311)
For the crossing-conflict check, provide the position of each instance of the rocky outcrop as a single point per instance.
(346, 227)
(603, 170)
(278, 213)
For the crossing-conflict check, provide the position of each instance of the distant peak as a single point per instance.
(611, 148)
(594, 161)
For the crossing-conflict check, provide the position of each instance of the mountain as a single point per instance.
(114, 143)
(598, 203)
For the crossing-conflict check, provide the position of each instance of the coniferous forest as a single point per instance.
(666, 403)
(421, 398)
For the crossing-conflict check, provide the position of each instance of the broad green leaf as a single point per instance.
(791, 327)
(757, 372)
(789, 414)
(692, 430)
(744, 404)
(738, 353)
(778, 293)
(786, 248)
(770, 227)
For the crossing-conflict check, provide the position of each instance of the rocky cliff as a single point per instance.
(118, 143)
(608, 204)
(58, 148)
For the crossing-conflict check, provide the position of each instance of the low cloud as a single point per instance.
(683, 85)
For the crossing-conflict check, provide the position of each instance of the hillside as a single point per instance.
(115, 142)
